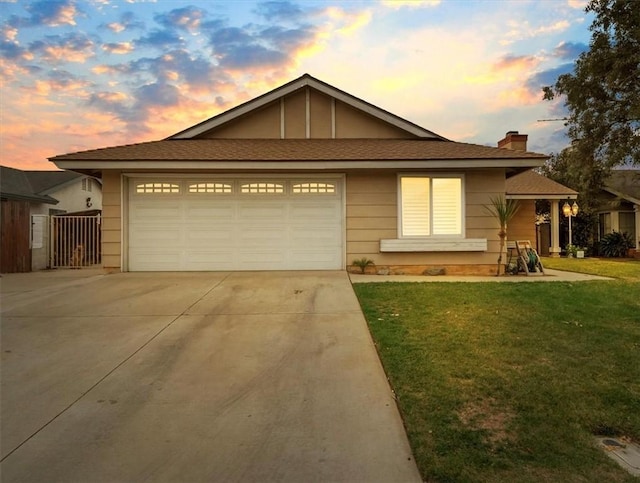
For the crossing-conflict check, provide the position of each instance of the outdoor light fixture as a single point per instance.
(570, 212)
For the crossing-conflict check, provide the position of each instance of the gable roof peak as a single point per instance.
(306, 80)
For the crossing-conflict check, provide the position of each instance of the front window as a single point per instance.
(430, 206)
(627, 222)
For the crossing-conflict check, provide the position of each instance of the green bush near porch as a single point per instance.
(509, 381)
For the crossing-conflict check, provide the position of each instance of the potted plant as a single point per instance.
(572, 251)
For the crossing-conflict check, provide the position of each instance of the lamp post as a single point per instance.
(570, 212)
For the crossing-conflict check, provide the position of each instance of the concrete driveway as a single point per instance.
(267, 376)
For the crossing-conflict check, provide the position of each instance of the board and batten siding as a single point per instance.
(306, 114)
(372, 215)
(111, 220)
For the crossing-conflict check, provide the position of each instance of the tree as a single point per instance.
(503, 210)
(603, 92)
(586, 177)
(583, 174)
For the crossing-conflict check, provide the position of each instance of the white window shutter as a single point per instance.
(415, 206)
(447, 206)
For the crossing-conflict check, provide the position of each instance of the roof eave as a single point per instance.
(541, 196)
(280, 165)
(622, 195)
(33, 199)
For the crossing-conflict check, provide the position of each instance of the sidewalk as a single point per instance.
(549, 276)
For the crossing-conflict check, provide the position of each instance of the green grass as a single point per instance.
(509, 381)
(626, 269)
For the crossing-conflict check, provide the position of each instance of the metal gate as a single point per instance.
(75, 241)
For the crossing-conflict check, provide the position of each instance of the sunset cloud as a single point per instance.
(517, 62)
(80, 74)
(569, 50)
(127, 21)
(185, 18)
(523, 30)
(579, 4)
(72, 47)
(410, 3)
(51, 13)
(118, 48)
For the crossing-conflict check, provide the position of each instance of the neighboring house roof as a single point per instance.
(529, 184)
(296, 84)
(45, 182)
(16, 184)
(624, 183)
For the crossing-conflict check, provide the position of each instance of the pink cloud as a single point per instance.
(118, 48)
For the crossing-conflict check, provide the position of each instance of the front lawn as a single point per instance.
(509, 381)
(626, 269)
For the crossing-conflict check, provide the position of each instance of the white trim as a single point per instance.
(434, 245)
(234, 176)
(343, 183)
(541, 197)
(124, 223)
(282, 119)
(333, 118)
(307, 113)
(430, 174)
(299, 165)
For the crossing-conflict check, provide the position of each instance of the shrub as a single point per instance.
(363, 263)
(615, 244)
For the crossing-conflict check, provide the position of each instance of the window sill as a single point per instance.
(434, 245)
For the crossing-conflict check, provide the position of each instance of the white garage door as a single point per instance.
(235, 224)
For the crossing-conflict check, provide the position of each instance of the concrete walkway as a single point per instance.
(193, 377)
(549, 276)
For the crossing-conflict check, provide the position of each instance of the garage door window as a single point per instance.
(145, 188)
(303, 188)
(210, 188)
(262, 188)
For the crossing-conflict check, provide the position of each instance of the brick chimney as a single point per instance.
(514, 140)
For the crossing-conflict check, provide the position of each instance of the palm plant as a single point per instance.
(503, 210)
(363, 263)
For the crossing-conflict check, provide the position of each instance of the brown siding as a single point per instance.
(15, 252)
(261, 124)
(523, 225)
(372, 215)
(111, 220)
(265, 123)
(320, 107)
(295, 115)
(351, 123)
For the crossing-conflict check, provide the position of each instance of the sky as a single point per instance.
(86, 74)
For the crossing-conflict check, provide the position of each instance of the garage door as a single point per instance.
(235, 224)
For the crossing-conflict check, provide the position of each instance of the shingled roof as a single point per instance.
(297, 150)
(18, 185)
(530, 184)
(624, 183)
